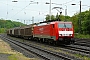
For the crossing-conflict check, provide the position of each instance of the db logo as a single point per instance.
(41, 29)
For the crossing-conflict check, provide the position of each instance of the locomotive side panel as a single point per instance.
(42, 31)
(54, 33)
(45, 31)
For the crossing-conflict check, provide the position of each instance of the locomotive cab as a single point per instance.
(65, 29)
(65, 32)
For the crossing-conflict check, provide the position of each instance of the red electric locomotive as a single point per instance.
(57, 31)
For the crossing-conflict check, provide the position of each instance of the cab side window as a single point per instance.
(53, 25)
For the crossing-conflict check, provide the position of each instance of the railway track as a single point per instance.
(83, 50)
(81, 47)
(83, 42)
(44, 53)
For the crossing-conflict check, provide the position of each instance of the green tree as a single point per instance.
(6, 24)
(86, 23)
(48, 17)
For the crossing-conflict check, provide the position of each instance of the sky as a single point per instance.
(24, 10)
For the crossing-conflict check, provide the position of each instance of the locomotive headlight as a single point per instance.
(70, 34)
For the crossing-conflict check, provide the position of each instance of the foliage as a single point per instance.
(74, 20)
(2, 30)
(82, 36)
(85, 22)
(57, 17)
(48, 17)
(6, 24)
(82, 57)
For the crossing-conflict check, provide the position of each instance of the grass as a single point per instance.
(14, 55)
(83, 57)
(82, 36)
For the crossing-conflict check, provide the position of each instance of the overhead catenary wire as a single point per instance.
(68, 2)
(12, 8)
(85, 6)
(22, 9)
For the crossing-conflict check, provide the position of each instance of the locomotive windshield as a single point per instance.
(64, 25)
